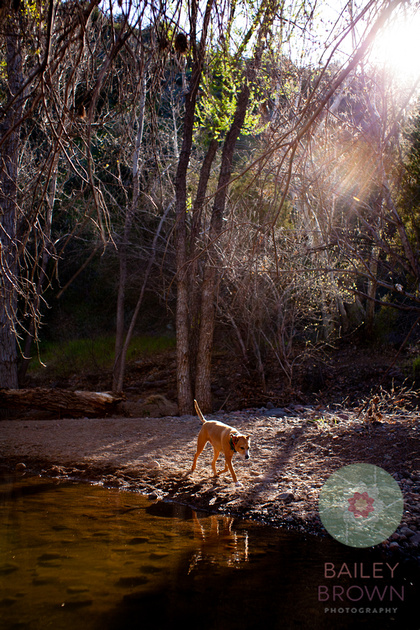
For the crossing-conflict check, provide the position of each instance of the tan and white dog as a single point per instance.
(224, 439)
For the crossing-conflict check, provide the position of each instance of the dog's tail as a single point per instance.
(198, 410)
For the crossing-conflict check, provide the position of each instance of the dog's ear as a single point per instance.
(248, 437)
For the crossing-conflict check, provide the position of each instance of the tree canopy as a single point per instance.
(245, 161)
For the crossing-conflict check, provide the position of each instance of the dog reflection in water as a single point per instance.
(220, 543)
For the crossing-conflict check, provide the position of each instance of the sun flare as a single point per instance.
(397, 48)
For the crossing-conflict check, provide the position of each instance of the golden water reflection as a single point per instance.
(69, 553)
(82, 557)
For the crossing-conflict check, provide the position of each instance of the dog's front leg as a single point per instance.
(229, 466)
(213, 464)
(232, 472)
(225, 469)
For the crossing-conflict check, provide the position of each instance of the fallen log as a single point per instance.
(62, 401)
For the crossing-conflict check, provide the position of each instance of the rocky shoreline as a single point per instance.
(293, 451)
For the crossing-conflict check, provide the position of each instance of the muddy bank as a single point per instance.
(293, 452)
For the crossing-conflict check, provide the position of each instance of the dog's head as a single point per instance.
(241, 444)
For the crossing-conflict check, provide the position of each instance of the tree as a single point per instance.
(9, 133)
(44, 99)
(409, 199)
(185, 393)
(241, 90)
(347, 190)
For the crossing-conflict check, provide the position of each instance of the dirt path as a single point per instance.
(293, 452)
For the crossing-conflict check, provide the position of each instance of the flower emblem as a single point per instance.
(361, 504)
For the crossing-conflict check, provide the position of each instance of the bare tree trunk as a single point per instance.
(373, 268)
(9, 129)
(118, 383)
(119, 362)
(211, 278)
(184, 385)
(371, 291)
(194, 257)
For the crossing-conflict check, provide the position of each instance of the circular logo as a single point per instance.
(360, 505)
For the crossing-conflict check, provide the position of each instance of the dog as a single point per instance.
(224, 439)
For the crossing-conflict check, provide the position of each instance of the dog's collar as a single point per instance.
(232, 441)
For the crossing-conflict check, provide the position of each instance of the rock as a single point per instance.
(343, 416)
(287, 497)
(112, 482)
(138, 540)
(155, 406)
(415, 540)
(406, 531)
(8, 567)
(394, 545)
(47, 557)
(276, 412)
(158, 555)
(44, 581)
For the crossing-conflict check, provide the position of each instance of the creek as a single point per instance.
(85, 557)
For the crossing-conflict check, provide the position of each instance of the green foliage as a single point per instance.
(410, 190)
(90, 355)
(416, 368)
(385, 323)
(221, 86)
(32, 10)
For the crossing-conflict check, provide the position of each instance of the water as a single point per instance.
(76, 556)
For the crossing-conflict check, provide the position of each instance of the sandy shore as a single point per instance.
(293, 452)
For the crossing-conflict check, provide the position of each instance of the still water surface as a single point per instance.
(82, 557)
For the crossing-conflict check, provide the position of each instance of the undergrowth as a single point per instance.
(90, 355)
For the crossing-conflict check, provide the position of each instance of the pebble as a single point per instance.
(406, 531)
(275, 412)
(138, 540)
(415, 540)
(287, 497)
